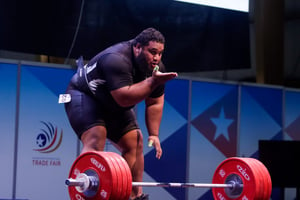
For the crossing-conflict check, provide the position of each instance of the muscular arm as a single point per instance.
(132, 94)
(154, 110)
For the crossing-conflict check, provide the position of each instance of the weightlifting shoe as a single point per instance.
(143, 197)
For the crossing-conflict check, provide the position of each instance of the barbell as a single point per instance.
(106, 175)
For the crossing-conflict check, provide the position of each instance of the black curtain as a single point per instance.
(198, 38)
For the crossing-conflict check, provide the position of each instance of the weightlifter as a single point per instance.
(105, 91)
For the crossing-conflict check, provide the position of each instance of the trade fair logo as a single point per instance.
(49, 139)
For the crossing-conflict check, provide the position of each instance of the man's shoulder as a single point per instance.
(120, 48)
(118, 52)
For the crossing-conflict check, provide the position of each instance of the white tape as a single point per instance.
(150, 143)
(64, 98)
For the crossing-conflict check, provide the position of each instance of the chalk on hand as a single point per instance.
(156, 68)
(150, 143)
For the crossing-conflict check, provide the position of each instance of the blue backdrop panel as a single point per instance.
(8, 88)
(47, 144)
(203, 160)
(213, 131)
(260, 118)
(195, 137)
(214, 114)
(173, 138)
(292, 115)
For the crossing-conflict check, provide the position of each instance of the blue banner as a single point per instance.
(8, 88)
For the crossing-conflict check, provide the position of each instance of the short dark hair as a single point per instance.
(147, 35)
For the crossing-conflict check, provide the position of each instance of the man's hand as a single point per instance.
(154, 141)
(160, 77)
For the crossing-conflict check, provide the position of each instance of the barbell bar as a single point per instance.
(182, 185)
(106, 175)
(82, 183)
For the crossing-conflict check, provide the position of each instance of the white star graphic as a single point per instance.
(222, 124)
(40, 141)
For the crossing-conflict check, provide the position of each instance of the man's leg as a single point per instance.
(131, 145)
(94, 139)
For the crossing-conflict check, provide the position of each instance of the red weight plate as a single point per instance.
(122, 167)
(120, 188)
(115, 176)
(92, 161)
(235, 166)
(127, 176)
(258, 177)
(267, 187)
(260, 194)
(267, 179)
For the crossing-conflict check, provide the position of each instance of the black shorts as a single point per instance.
(85, 112)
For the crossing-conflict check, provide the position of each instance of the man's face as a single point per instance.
(149, 56)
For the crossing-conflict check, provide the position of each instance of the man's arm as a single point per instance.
(153, 115)
(154, 110)
(132, 94)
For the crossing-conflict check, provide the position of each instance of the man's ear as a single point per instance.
(138, 48)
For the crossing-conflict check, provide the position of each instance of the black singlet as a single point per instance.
(92, 103)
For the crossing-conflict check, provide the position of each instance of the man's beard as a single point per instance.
(143, 66)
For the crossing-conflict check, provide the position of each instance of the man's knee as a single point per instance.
(94, 138)
(132, 141)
